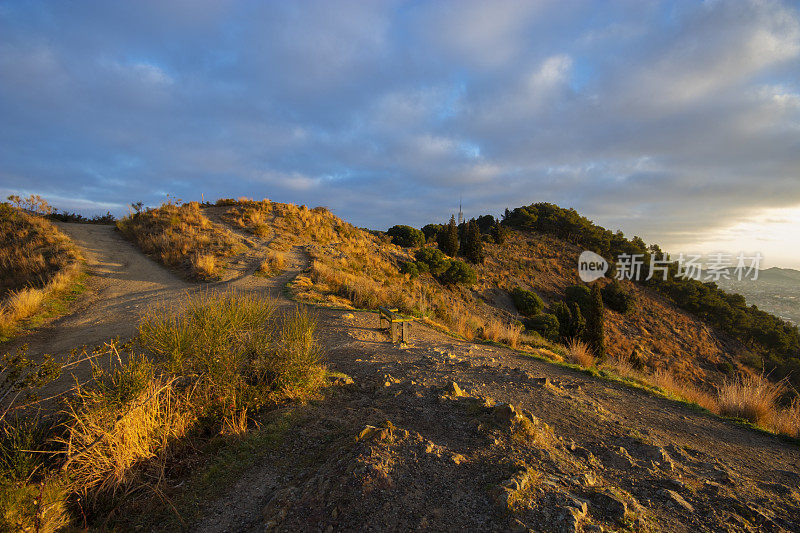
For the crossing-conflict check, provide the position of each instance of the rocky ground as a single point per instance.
(446, 435)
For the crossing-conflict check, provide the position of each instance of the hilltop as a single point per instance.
(222, 406)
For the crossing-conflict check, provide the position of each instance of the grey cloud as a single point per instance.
(658, 118)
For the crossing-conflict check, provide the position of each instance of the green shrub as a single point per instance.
(458, 272)
(431, 231)
(546, 325)
(528, 303)
(406, 236)
(410, 268)
(579, 294)
(434, 260)
(617, 298)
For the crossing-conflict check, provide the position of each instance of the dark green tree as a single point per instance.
(431, 231)
(561, 312)
(406, 236)
(473, 245)
(595, 334)
(448, 238)
(499, 232)
(577, 323)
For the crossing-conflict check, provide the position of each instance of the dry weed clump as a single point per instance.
(751, 397)
(128, 416)
(580, 353)
(180, 236)
(209, 362)
(274, 264)
(666, 381)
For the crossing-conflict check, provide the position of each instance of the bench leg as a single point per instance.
(394, 332)
(405, 331)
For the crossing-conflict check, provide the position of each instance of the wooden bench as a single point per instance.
(398, 325)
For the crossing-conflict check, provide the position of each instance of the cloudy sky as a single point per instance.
(677, 121)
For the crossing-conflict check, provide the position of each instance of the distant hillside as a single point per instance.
(777, 290)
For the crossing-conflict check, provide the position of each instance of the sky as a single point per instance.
(675, 121)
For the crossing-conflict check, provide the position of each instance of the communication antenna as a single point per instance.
(460, 212)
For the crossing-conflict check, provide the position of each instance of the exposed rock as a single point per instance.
(678, 500)
(581, 452)
(505, 494)
(454, 390)
(610, 504)
(505, 413)
(580, 506)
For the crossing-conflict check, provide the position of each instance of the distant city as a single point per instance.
(777, 291)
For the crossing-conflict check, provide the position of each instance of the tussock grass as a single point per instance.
(274, 264)
(751, 397)
(580, 353)
(128, 416)
(200, 370)
(181, 237)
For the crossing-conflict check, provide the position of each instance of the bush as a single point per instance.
(579, 294)
(458, 272)
(434, 260)
(528, 303)
(546, 325)
(617, 298)
(410, 268)
(431, 231)
(406, 236)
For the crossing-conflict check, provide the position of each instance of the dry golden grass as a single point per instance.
(274, 264)
(580, 353)
(107, 438)
(666, 381)
(180, 236)
(205, 266)
(751, 397)
(32, 250)
(36, 261)
(787, 421)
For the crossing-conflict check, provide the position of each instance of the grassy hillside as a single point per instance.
(773, 344)
(181, 237)
(353, 267)
(37, 261)
(653, 343)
